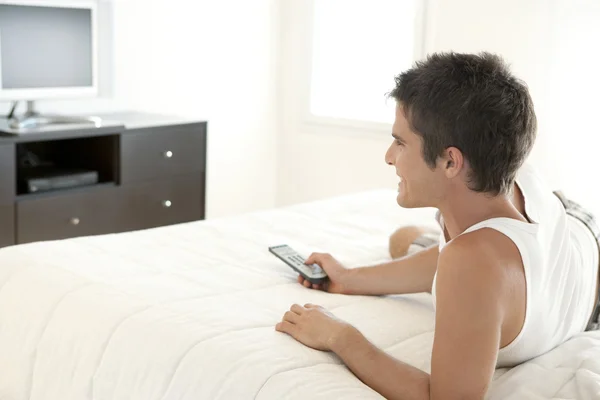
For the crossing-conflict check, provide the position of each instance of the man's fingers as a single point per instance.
(291, 317)
(298, 309)
(286, 327)
(303, 281)
(309, 285)
(309, 305)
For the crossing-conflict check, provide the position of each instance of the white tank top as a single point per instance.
(560, 259)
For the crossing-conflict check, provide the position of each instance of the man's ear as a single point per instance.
(453, 162)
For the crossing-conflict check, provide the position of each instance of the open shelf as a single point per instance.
(66, 165)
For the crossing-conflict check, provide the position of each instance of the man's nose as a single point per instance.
(389, 160)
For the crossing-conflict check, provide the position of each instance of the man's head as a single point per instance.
(469, 117)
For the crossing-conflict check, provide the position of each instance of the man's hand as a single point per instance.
(410, 274)
(338, 276)
(312, 326)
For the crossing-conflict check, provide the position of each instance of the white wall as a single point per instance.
(319, 161)
(551, 45)
(213, 60)
(203, 59)
(574, 100)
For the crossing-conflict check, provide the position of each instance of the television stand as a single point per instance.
(32, 119)
(149, 171)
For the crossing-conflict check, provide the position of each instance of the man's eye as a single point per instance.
(399, 142)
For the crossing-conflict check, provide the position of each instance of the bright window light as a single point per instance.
(358, 48)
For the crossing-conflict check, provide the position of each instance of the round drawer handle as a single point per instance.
(167, 204)
(168, 154)
(75, 221)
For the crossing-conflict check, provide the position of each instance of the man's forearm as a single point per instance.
(410, 274)
(383, 373)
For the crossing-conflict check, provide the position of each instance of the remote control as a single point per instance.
(312, 273)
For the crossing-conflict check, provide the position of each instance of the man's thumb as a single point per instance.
(313, 259)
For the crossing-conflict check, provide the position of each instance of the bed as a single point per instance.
(188, 312)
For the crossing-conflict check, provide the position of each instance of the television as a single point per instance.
(48, 50)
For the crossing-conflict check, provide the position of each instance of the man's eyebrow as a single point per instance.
(397, 137)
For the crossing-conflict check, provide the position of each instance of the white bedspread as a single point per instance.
(188, 312)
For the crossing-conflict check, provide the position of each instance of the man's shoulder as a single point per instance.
(484, 241)
(475, 257)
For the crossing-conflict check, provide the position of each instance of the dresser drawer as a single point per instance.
(7, 225)
(165, 202)
(164, 152)
(7, 174)
(90, 212)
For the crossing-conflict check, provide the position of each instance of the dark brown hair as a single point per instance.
(474, 103)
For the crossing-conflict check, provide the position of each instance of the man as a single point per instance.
(515, 273)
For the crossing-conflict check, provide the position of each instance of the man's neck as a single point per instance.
(465, 209)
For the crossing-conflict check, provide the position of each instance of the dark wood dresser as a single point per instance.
(151, 172)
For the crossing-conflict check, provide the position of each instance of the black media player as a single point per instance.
(43, 179)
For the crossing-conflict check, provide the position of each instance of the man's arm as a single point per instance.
(470, 310)
(410, 274)
(383, 373)
(469, 316)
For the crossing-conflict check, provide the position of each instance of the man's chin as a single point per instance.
(402, 201)
(405, 202)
